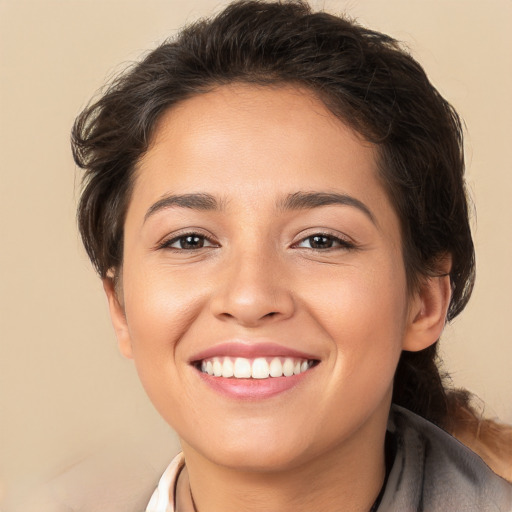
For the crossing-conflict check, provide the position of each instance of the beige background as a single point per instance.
(65, 392)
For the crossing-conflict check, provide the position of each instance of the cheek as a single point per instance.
(370, 297)
(157, 301)
(160, 310)
(363, 313)
(364, 320)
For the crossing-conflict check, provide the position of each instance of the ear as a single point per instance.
(118, 317)
(428, 309)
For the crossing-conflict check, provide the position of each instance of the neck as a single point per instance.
(348, 478)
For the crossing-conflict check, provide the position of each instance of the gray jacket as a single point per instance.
(433, 472)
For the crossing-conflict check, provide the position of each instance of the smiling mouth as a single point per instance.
(256, 368)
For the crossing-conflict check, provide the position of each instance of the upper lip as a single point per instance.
(250, 350)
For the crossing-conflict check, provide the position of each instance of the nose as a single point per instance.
(254, 290)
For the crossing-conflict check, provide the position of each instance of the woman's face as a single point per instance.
(259, 239)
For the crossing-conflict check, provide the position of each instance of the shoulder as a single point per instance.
(435, 472)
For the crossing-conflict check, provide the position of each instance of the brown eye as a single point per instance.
(188, 242)
(191, 242)
(320, 241)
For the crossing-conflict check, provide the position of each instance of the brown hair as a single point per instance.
(362, 76)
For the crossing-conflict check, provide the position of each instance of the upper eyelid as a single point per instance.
(343, 243)
(168, 240)
(343, 239)
(337, 236)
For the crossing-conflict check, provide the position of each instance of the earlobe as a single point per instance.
(118, 317)
(427, 314)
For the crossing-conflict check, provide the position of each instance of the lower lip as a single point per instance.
(253, 389)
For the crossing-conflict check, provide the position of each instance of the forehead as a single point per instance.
(248, 143)
(231, 124)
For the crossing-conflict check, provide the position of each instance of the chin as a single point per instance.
(257, 449)
(258, 460)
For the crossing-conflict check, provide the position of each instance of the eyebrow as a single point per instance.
(205, 202)
(309, 200)
(296, 201)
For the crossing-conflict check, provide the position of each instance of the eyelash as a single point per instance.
(167, 244)
(339, 243)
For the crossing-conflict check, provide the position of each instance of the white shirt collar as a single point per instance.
(163, 498)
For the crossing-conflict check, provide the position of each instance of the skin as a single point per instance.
(319, 444)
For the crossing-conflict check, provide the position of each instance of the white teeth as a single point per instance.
(259, 368)
(227, 368)
(242, 368)
(276, 367)
(288, 367)
(217, 367)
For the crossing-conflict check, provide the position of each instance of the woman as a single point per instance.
(275, 203)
